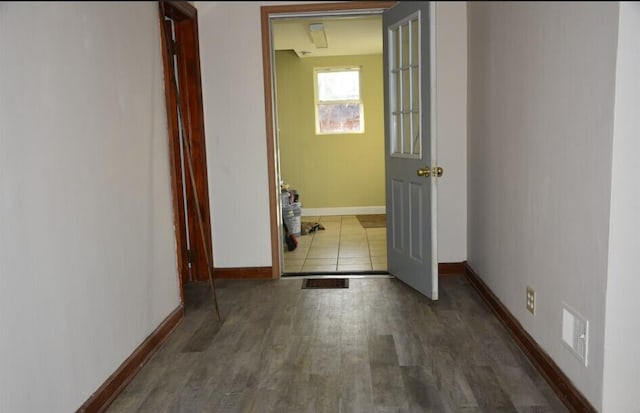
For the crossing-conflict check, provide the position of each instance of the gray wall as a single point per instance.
(541, 93)
(87, 248)
(622, 359)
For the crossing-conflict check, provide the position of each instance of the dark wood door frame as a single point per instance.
(266, 14)
(186, 49)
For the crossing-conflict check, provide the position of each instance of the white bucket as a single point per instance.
(292, 217)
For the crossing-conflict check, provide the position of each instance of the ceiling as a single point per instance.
(352, 35)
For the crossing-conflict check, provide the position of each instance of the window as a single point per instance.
(338, 105)
(404, 88)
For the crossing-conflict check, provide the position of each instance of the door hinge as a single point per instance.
(190, 256)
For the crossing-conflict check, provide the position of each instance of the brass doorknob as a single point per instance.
(437, 171)
(424, 172)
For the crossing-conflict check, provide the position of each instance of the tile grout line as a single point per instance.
(339, 244)
(369, 248)
(306, 256)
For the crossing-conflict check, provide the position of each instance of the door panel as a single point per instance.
(416, 218)
(396, 213)
(410, 197)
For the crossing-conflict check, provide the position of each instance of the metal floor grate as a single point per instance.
(325, 283)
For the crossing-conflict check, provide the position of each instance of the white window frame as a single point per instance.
(318, 102)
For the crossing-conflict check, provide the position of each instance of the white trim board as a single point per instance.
(363, 210)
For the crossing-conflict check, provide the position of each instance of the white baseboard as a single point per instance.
(365, 210)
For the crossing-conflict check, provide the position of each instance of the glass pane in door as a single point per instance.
(404, 73)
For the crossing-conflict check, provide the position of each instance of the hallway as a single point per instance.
(377, 346)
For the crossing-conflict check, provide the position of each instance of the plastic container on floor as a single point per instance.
(284, 198)
(292, 217)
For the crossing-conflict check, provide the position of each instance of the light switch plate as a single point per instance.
(575, 333)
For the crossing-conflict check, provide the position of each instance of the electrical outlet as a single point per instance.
(531, 300)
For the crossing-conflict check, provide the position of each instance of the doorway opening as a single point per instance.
(330, 122)
(181, 60)
(323, 167)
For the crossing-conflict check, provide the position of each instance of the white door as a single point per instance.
(410, 186)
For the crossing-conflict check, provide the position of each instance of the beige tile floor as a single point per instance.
(344, 245)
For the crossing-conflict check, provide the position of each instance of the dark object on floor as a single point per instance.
(289, 239)
(325, 283)
(373, 221)
(309, 227)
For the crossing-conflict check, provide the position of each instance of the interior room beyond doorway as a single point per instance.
(344, 245)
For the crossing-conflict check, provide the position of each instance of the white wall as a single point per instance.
(233, 94)
(451, 92)
(622, 333)
(87, 249)
(541, 91)
(234, 120)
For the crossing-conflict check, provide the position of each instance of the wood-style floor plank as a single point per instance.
(377, 346)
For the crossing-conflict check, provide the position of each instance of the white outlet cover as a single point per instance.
(531, 300)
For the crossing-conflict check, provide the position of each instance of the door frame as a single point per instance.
(185, 17)
(268, 13)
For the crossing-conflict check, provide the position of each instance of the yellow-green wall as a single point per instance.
(330, 171)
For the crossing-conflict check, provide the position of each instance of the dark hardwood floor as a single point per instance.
(377, 346)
